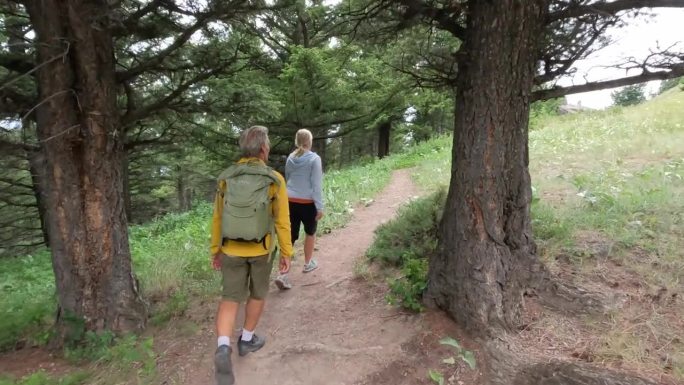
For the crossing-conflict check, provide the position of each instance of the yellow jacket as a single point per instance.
(281, 215)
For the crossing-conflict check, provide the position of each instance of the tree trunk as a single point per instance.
(486, 246)
(180, 186)
(183, 191)
(372, 147)
(319, 146)
(188, 196)
(126, 180)
(36, 161)
(79, 132)
(384, 131)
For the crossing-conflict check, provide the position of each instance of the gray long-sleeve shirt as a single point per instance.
(304, 175)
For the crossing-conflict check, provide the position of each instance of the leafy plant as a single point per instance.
(669, 84)
(629, 95)
(406, 242)
(436, 377)
(541, 110)
(408, 289)
(465, 355)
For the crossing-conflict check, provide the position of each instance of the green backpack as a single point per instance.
(247, 212)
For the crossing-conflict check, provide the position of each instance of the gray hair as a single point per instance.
(252, 139)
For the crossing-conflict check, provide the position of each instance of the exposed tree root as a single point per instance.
(565, 373)
(506, 367)
(568, 298)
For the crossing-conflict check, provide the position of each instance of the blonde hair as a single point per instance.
(252, 139)
(303, 141)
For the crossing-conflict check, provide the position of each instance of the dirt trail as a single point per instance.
(330, 328)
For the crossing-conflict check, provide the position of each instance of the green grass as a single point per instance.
(171, 253)
(406, 242)
(27, 300)
(434, 169)
(345, 188)
(618, 173)
(617, 178)
(41, 378)
(627, 138)
(606, 180)
(170, 258)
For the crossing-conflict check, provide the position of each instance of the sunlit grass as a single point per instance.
(614, 177)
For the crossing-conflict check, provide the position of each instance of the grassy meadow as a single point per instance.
(608, 214)
(608, 203)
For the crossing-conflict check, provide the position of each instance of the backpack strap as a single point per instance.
(251, 168)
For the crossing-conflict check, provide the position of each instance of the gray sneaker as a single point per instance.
(255, 344)
(224, 366)
(311, 266)
(283, 282)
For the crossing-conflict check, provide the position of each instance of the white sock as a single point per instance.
(247, 335)
(223, 340)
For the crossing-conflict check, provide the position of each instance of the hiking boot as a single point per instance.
(283, 282)
(255, 344)
(224, 366)
(311, 266)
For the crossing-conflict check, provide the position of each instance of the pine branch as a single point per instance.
(445, 18)
(610, 8)
(16, 62)
(7, 146)
(556, 92)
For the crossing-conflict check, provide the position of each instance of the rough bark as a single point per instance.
(37, 165)
(125, 170)
(79, 132)
(486, 246)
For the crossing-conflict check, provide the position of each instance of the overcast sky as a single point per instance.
(664, 29)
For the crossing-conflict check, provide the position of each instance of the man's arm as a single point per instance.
(281, 215)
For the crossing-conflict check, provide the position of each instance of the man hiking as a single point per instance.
(250, 210)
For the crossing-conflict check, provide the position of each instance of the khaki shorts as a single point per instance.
(243, 276)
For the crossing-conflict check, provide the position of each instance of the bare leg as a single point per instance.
(253, 312)
(225, 318)
(309, 242)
